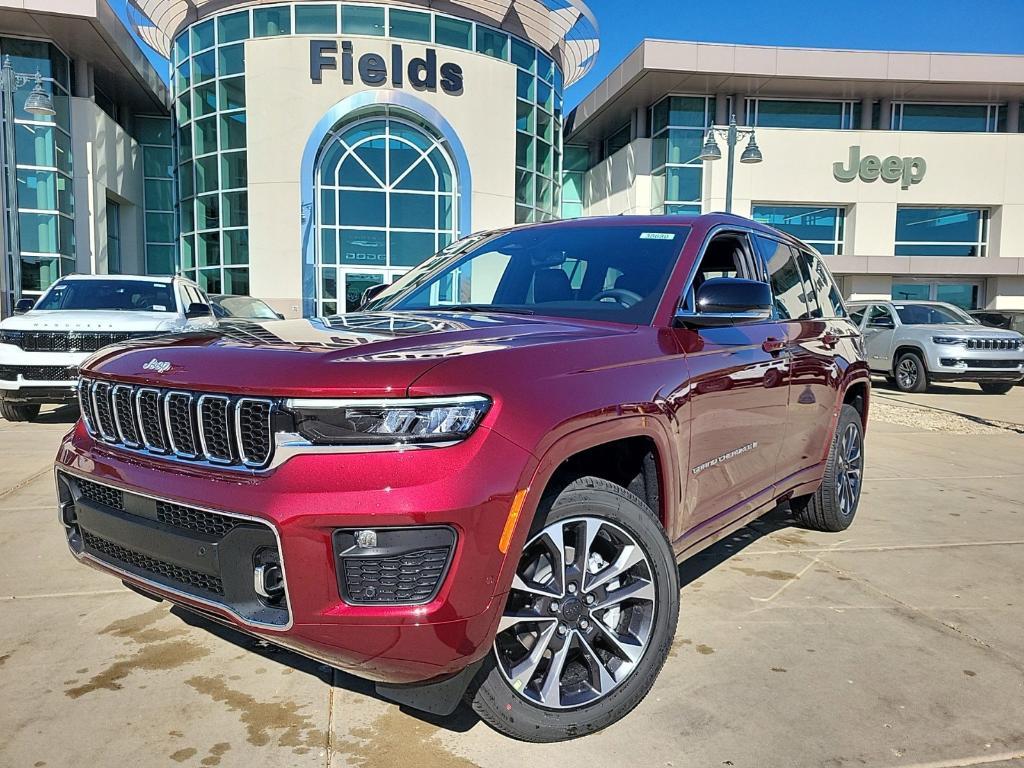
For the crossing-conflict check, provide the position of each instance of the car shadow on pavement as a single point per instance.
(464, 718)
(64, 414)
(703, 562)
(459, 721)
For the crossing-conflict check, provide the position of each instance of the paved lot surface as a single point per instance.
(898, 643)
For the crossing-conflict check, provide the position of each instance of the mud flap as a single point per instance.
(437, 698)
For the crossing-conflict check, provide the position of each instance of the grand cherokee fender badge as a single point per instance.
(157, 366)
(724, 457)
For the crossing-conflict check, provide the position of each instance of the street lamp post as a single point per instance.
(732, 134)
(38, 102)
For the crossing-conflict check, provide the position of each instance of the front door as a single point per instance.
(739, 394)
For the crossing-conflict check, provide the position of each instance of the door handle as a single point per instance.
(773, 346)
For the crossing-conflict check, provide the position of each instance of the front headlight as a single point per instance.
(948, 340)
(387, 422)
(12, 337)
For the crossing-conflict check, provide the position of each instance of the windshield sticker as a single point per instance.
(159, 308)
(899, 306)
(657, 236)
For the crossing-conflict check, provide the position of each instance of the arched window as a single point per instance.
(386, 199)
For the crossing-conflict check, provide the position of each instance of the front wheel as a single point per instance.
(589, 619)
(996, 387)
(18, 411)
(832, 507)
(911, 375)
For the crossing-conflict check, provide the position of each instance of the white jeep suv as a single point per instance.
(41, 349)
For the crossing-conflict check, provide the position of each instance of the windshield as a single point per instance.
(615, 273)
(242, 306)
(124, 295)
(933, 314)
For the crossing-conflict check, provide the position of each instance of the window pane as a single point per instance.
(34, 144)
(410, 25)
(207, 212)
(232, 59)
(787, 286)
(410, 248)
(524, 115)
(491, 42)
(684, 146)
(453, 32)
(181, 47)
(686, 111)
(159, 195)
(524, 150)
(267, 22)
(363, 247)
(233, 170)
(316, 19)
(37, 189)
(963, 295)
(208, 246)
(356, 20)
(203, 66)
(232, 93)
(234, 209)
(202, 36)
(524, 55)
(38, 232)
(808, 223)
(362, 208)
(545, 66)
(682, 184)
(160, 227)
(232, 27)
(153, 130)
(944, 117)
(206, 135)
(232, 131)
(156, 161)
(799, 114)
(412, 211)
(206, 174)
(525, 85)
(204, 99)
(235, 246)
(911, 291)
(159, 259)
(939, 231)
(329, 246)
(577, 158)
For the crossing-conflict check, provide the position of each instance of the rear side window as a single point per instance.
(823, 287)
(857, 315)
(784, 275)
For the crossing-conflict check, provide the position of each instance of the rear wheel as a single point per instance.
(589, 619)
(996, 387)
(833, 506)
(911, 375)
(18, 411)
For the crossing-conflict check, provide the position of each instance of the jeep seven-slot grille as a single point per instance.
(193, 426)
(994, 343)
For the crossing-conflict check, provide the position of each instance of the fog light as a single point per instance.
(366, 539)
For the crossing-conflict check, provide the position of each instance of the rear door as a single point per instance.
(879, 336)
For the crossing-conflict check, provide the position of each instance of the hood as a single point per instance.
(93, 320)
(953, 329)
(374, 354)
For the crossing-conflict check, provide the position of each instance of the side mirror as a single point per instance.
(882, 322)
(371, 293)
(280, 315)
(23, 305)
(195, 309)
(729, 301)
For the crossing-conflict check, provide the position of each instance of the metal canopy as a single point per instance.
(566, 29)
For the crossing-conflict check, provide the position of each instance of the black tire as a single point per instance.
(996, 387)
(505, 710)
(18, 411)
(824, 509)
(911, 375)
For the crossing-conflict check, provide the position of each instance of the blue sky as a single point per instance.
(988, 26)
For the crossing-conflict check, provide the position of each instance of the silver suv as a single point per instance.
(914, 343)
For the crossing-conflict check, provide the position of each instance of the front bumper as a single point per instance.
(39, 377)
(304, 503)
(957, 363)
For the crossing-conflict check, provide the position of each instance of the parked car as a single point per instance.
(227, 307)
(1011, 319)
(915, 343)
(482, 484)
(42, 348)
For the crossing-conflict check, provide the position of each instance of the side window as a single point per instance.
(857, 316)
(814, 308)
(825, 291)
(880, 316)
(784, 276)
(727, 255)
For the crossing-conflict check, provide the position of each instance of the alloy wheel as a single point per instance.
(907, 373)
(849, 466)
(579, 616)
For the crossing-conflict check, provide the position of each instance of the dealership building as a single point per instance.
(304, 151)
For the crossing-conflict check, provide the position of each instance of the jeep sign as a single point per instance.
(906, 170)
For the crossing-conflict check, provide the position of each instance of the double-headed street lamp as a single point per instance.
(38, 102)
(732, 135)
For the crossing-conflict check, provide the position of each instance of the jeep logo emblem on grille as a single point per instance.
(158, 366)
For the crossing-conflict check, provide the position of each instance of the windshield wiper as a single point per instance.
(485, 308)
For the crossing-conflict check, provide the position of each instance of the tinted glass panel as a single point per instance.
(316, 19)
(453, 32)
(799, 114)
(131, 295)
(944, 117)
(356, 20)
(940, 231)
(785, 278)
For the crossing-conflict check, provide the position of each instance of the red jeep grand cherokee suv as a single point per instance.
(481, 484)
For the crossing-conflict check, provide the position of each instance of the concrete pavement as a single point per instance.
(897, 643)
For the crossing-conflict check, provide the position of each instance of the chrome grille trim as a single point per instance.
(127, 430)
(156, 426)
(170, 398)
(210, 455)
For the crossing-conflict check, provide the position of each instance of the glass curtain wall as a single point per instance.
(678, 125)
(210, 117)
(42, 155)
(154, 135)
(820, 226)
(577, 162)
